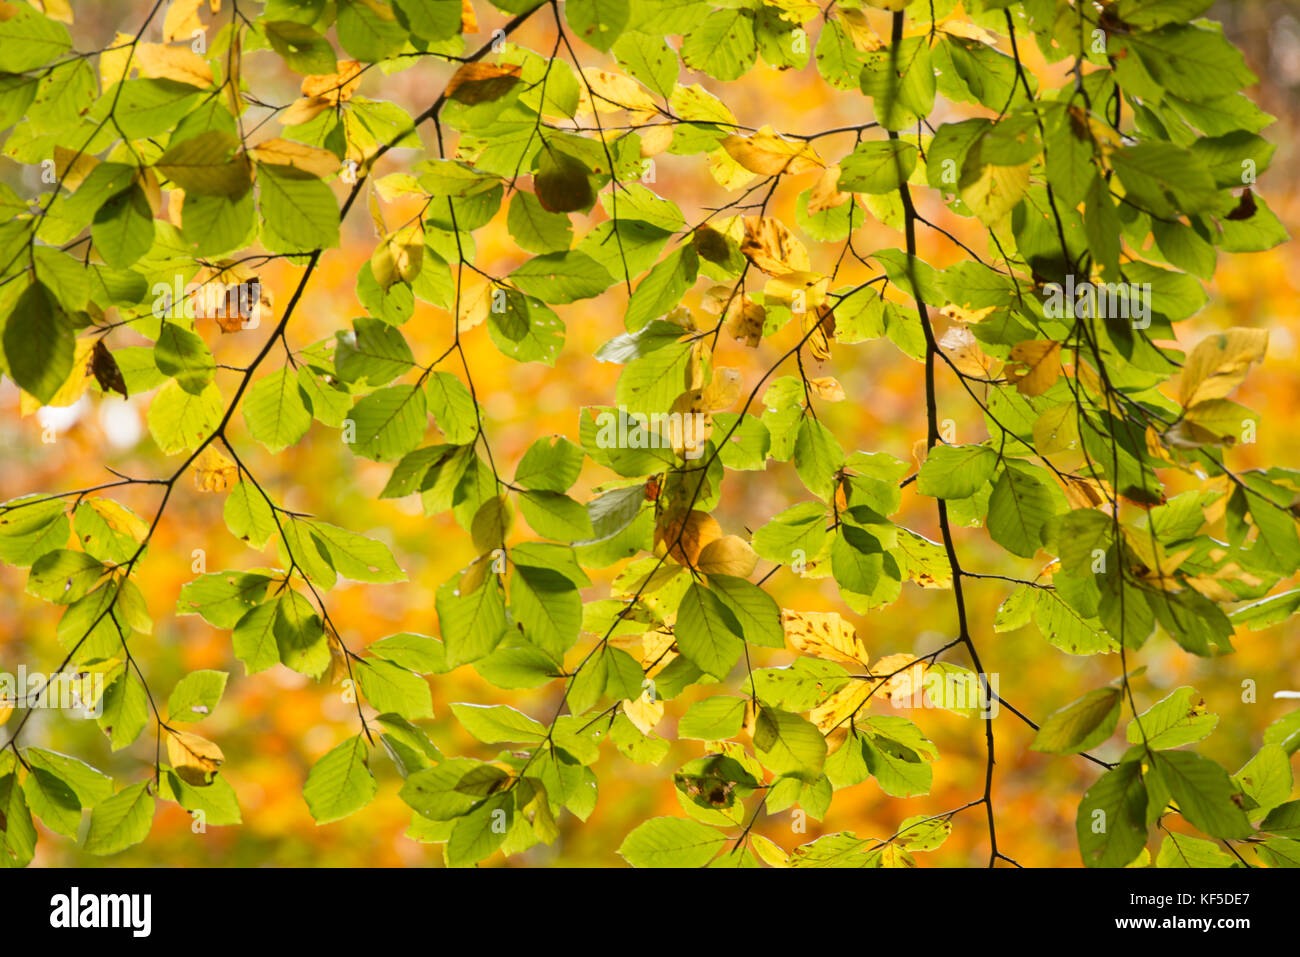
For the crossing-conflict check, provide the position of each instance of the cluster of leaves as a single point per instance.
(1132, 175)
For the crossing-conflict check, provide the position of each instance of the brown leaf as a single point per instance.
(1034, 366)
(696, 530)
(482, 82)
(106, 371)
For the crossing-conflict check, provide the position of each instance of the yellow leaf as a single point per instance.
(182, 20)
(173, 63)
(684, 536)
(645, 712)
(825, 193)
(333, 87)
(726, 172)
(5, 712)
(772, 247)
(468, 19)
(72, 167)
(859, 30)
(768, 852)
(768, 154)
(1219, 364)
(655, 139)
(823, 634)
(398, 256)
(309, 159)
(828, 388)
(832, 715)
(728, 555)
(900, 681)
(214, 471)
(113, 62)
(723, 390)
(995, 191)
(612, 92)
(193, 758)
(119, 518)
(1034, 366)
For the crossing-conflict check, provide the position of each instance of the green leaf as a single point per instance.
(877, 166)
(369, 31)
(392, 689)
(453, 408)
(562, 277)
(723, 46)
(597, 22)
(956, 471)
(17, 832)
(1080, 725)
(340, 783)
(302, 48)
(498, 724)
(53, 801)
(671, 842)
(388, 423)
(1019, 507)
(1111, 822)
(355, 556)
(196, 695)
(707, 631)
(180, 421)
(184, 355)
(300, 212)
(1177, 719)
(1204, 792)
(38, 342)
(121, 821)
(787, 743)
(713, 719)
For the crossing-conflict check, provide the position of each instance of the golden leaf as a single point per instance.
(695, 529)
(1219, 364)
(1034, 366)
(900, 680)
(468, 19)
(193, 758)
(173, 63)
(825, 193)
(482, 82)
(333, 87)
(859, 30)
(72, 167)
(772, 247)
(309, 159)
(182, 20)
(995, 191)
(828, 388)
(823, 634)
(768, 154)
(726, 172)
(115, 61)
(832, 715)
(655, 139)
(214, 471)
(612, 92)
(644, 712)
(723, 390)
(728, 555)
(304, 110)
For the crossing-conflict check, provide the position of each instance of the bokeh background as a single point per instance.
(273, 726)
